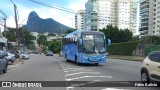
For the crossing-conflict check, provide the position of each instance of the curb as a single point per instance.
(127, 58)
(14, 65)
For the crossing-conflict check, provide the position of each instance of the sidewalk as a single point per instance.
(129, 58)
(15, 64)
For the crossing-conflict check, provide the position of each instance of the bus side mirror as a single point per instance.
(80, 41)
(109, 42)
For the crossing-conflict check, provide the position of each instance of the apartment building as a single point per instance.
(80, 20)
(149, 17)
(121, 13)
(156, 18)
(100, 13)
(127, 14)
(36, 35)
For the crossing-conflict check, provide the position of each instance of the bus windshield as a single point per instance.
(93, 44)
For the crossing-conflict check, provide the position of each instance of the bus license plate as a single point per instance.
(94, 60)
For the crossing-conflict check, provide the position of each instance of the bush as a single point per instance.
(54, 46)
(123, 48)
(150, 47)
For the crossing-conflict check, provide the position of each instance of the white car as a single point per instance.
(24, 56)
(150, 68)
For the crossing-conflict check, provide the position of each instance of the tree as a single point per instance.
(42, 40)
(54, 46)
(150, 40)
(10, 34)
(24, 36)
(117, 35)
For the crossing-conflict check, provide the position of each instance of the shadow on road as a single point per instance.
(82, 64)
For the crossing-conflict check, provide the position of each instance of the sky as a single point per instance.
(25, 7)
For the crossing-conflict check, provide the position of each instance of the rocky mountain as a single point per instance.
(39, 25)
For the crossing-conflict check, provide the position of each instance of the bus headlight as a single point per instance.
(85, 56)
(104, 57)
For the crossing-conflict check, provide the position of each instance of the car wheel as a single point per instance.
(145, 77)
(5, 69)
(10, 62)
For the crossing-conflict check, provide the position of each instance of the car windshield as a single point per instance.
(49, 52)
(93, 43)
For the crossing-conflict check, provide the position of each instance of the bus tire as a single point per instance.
(76, 60)
(66, 58)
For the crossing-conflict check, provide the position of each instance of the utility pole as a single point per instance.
(17, 31)
(4, 27)
(61, 37)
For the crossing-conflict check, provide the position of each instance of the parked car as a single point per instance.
(150, 68)
(16, 53)
(9, 57)
(36, 52)
(28, 52)
(24, 56)
(49, 53)
(3, 63)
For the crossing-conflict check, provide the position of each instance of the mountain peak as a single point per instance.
(33, 14)
(39, 25)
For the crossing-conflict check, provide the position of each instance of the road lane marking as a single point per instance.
(65, 66)
(77, 70)
(70, 88)
(82, 73)
(72, 68)
(70, 79)
(115, 89)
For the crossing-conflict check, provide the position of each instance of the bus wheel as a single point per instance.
(96, 63)
(67, 60)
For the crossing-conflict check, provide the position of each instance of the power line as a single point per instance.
(11, 1)
(51, 6)
(54, 5)
(5, 16)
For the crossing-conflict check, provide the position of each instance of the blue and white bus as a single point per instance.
(85, 47)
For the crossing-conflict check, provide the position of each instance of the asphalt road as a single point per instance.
(55, 68)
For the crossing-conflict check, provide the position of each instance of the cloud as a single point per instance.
(77, 4)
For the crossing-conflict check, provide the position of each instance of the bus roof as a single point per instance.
(82, 31)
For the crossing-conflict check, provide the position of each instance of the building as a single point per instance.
(120, 13)
(127, 14)
(149, 17)
(51, 36)
(80, 20)
(156, 18)
(3, 41)
(36, 35)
